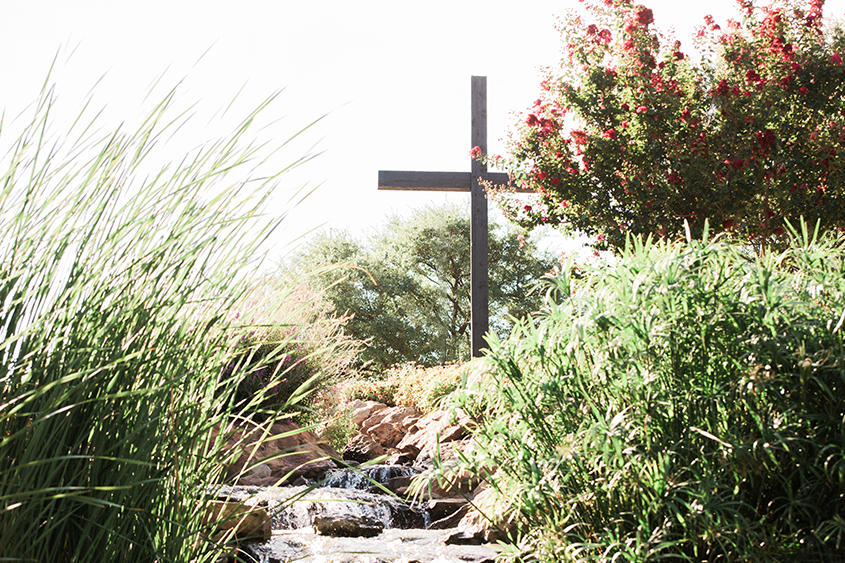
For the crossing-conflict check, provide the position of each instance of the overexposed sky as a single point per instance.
(391, 77)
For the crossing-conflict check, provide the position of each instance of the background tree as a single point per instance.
(634, 135)
(407, 285)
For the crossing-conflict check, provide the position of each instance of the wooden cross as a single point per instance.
(464, 182)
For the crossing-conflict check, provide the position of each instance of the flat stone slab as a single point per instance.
(347, 527)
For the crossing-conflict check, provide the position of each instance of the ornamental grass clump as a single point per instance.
(116, 282)
(287, 340)
(685, 403)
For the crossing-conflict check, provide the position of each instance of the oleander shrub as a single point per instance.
(685, 402)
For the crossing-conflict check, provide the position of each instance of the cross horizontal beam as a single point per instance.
(433, 181)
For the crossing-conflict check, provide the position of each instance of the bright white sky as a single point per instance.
(392, 76)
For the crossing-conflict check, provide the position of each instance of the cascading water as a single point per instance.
(340, 503)
(365, 477)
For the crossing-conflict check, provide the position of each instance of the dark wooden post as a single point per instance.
(479, 277)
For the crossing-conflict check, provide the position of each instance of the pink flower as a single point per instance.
(644, 15)
(641, 109)
(721, 89)
(609, 134)
(836, 59)
(579, 137)
(475, 152)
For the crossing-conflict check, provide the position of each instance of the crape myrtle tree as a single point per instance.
(633, 134)
(407, 285)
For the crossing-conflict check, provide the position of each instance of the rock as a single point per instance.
(362, 410)
(433, 431)
(450, 521)
(389, 426)
(440, 508)
(399, 485)
(403, 417)
(238, 519)
(401, 458)
(478, 525)
(347, 526)
(386, 434)
(457, 484)
(362, 448)
(291, 454)
(463, 538)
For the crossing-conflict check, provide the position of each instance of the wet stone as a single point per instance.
(346, 527)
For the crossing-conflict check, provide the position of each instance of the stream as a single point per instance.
(378, 527)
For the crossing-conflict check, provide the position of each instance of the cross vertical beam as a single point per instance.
(479, 277)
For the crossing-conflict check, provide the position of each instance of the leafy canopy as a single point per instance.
(634, 134)
(407, 285)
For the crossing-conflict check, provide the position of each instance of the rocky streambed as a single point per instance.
(350, 518)
(305, 502)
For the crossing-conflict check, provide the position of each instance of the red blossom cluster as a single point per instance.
(749, 139)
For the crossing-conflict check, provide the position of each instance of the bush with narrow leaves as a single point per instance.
(684, 403)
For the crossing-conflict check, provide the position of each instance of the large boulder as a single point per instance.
(279, 454)
(431, 433)
(347, 526)
(362, 448)
(389, 426)
(362, 410)
(485, 522)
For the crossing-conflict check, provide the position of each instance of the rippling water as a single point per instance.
(402, 546)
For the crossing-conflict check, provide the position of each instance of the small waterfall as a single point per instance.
(342, 503)
(364, 477)
(295, 508)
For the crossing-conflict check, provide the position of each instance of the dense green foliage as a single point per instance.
(407, 286)
(684, 403)
(116, 301)
(637, 133)
(407, 385)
